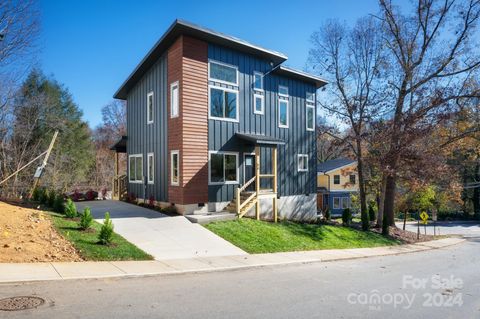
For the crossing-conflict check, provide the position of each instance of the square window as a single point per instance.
(302, 162)
(150, 107)
(336, 179)
(223, 103)
(283, 90)
(258, 81)
(223, 168)
(174, 98)
(174, 168)
(353, 179)
(283, 113)
(258, 103)
(221, 72)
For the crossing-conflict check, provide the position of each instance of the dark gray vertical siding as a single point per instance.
(146, 138)
(298, 139)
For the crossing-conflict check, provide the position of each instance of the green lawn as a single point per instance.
(86, 242)
(264, 237)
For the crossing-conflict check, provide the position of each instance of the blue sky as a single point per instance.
(92, 46)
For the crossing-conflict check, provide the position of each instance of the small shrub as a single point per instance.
(51, 198)
(42, 196)
(132, 198)
(347, 216)
(106, 232)
(58, 204)
(70, 209)
(372, 214)
(36, 194)
(86, 219)
(151, 201)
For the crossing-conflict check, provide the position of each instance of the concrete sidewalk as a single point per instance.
(84, 270)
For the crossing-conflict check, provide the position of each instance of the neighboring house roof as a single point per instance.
(181, 27)
(334, 164)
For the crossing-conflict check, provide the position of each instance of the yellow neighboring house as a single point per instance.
(336, 180)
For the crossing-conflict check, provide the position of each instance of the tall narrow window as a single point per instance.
(310, 117)
(150, 168)
(258, 103)
(336, 203)
(135, 168)
(174, 99)
(282, 113)
(353, 179)
(302, 162)
(258, 81)
(150, 107)
(174, 168)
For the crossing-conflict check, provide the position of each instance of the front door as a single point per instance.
(249, 171)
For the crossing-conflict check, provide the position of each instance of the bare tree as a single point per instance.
(432, 62)
(352, 61)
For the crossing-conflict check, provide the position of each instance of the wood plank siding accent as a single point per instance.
(188, 133)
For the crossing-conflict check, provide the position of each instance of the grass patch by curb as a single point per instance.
(86, 242)
(264, 237)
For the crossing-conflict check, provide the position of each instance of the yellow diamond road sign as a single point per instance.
(424, 216)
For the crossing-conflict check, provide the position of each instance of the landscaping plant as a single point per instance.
(51, 197)
(42, 196)
(86, 219)
(58, 204)
(347, 216)
(70, 209)
(106, 232)
(36, 194)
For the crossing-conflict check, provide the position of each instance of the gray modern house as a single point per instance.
(214, 123)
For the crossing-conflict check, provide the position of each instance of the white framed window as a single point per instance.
(135, 168)
(310, 97)
(282, 113)
(258, 103)
(150, 107)
(150, 168)
(222, 72)
(283, 90)
(336, 179)
(336, 203)
(174, 99)
(310, 116)
(174, 168)
(345, 202)
(258, 81)
(222, 168)
(223, 104)
(302, 162)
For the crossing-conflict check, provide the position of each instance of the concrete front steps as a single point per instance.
(209, 217)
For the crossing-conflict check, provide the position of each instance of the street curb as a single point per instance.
(22, 273)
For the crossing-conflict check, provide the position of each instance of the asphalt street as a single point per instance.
(443, 283)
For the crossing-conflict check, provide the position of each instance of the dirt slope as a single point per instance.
(27, 235)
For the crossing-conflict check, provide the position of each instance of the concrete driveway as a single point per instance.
(161, 236)
(466, 229)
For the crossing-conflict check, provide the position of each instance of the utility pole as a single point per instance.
(39, 172)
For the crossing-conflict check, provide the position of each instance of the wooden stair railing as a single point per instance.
(242, 207)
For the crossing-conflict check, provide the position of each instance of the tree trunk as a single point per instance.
(476, 192)
(381, 202)
(388, 213)
(361, 186)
